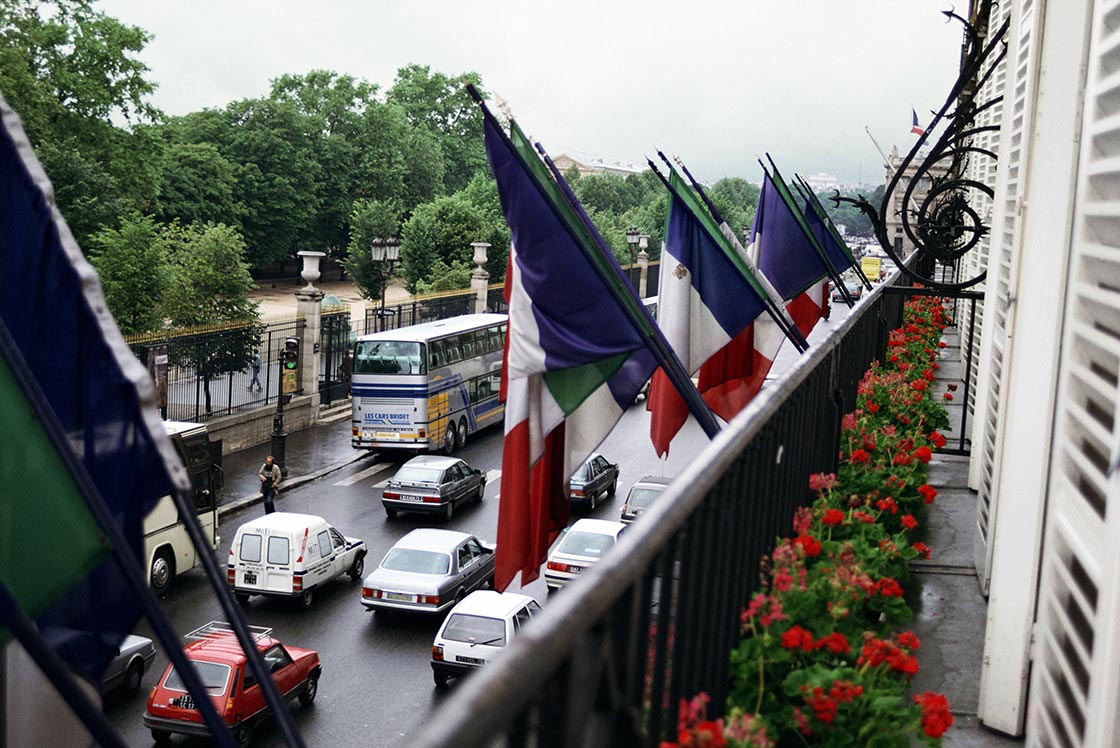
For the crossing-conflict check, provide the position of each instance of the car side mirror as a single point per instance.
(476, 471)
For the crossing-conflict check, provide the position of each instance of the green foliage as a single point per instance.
(736, 200)
(197, 185)
(604, 193)
(132, 264)
(441, 230)
(482, 194)
(369, 219)
(211, 278)
(848, 215)
(444, 277)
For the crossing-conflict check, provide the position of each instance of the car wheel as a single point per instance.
(440, 679)
(459, 596)
(162, 572)
(613, 488)
(390, 513)
(481, 491)
(243, 735)
(306, 598)
(449, 511)
(132, 677)
(449, 439)
(489, 583)
(593, 501)
(357, 567)
(161, 736)
(461, 434)
(310, 691)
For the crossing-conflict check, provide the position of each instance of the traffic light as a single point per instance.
(291, 354)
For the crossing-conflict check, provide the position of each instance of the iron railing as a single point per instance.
(336, 337)
(393, 316)
(610, 658)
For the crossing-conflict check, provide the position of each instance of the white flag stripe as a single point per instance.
(363, 474)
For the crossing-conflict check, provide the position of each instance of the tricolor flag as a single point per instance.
(575, 357)
(915, 128)
(707, 297)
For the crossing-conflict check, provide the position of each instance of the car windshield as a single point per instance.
(586, 543)
(388, 357)
(417, 561)
(476, 630)
(214, 676)
(417, 475)
(641, 498)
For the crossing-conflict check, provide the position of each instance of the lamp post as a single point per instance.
(632, 237)
(385, 253)
(643, 265)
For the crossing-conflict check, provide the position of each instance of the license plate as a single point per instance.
(410, 497)
(469, 660)
(575, 569)
(400, 596)
(250, 578)
(386, 435)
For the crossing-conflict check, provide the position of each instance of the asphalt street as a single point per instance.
(377, 687)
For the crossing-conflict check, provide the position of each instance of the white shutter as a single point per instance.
(1022, 78)
(1075, 685)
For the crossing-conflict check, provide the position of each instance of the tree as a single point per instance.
(441, 104)
(444, 277)
(846, 214)
(210, 286)
(197, 185)
(605, 193)
(441, 230)
(482, 194)
(737, 200)
(135, 275)
(369, 219)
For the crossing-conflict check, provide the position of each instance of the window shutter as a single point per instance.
(1075, 690)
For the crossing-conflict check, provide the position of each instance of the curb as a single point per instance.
(300, 480)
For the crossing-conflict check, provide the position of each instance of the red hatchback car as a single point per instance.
(222, 665)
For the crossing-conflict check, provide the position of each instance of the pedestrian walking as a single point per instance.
(270, 482)
(256, 365)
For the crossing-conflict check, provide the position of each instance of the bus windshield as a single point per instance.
(388, 357)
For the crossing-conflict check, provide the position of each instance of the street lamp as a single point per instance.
(633, 236)
(385, 253)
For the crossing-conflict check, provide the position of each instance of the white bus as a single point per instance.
(167, 546)
(429, 386)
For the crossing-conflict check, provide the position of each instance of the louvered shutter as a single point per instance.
(1022, 74)
(1075, 685)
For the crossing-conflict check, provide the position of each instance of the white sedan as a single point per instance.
(581, 545)
(477, 630)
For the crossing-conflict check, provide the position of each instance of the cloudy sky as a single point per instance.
(717, 82)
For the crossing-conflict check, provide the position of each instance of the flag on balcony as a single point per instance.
(707, 297)
(915, 128)
(575, 358)
(91, 388)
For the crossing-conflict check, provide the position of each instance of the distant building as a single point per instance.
(589, 164)
(893, 218)
(822, 182)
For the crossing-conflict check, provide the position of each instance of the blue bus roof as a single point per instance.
(439, 328)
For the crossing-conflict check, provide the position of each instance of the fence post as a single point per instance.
(480, 279)
(643, 263)
(309, 307)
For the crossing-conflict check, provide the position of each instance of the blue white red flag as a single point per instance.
(916, 128)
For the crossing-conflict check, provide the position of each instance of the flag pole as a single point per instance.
(773, 298)
(810, 198)
(600, 258)
(830, 270)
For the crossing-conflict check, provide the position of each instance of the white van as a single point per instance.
(289, 555)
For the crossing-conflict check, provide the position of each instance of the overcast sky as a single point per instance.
(717, 82)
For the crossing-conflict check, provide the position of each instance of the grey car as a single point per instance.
(593, 480)
(642, 495)
(126, 671)
(434, 485)
(428, 571)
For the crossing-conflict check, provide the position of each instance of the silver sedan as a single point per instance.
(126, 671)
(429, 571)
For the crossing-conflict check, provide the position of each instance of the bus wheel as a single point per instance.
(461, 436)
(449, 439)
(162, 572)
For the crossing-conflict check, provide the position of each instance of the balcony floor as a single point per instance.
(950, 612)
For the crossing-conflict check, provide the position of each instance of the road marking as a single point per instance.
(493, 475)
(363, 474)
(381, 484)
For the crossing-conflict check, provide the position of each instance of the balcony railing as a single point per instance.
(611, 657)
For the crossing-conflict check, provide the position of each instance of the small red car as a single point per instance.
(222, 665)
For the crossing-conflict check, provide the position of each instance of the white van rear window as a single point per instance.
(251, 548)
(278, 550)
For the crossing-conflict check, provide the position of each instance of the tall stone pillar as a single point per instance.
(643, 276)
(480, 279)
(309, 308)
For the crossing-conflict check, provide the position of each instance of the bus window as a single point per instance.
(388, 357)
(497, 338)
(453, 350)
(437, 356)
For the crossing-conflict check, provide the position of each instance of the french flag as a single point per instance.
(574, 360)
(705, 302)
(915, 128)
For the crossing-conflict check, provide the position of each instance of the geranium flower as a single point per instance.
(832, 517)
(936, 718)
(909, 640)
(948, 396)
(888, 587)
(823, 481)
(909, 522)
(796, 637)
(928, 492)
(835, 642)
(937, 439)
(887, 505)
(923, 453)
(860, 456)
(872, 407)
(810, 546)
(923, 550)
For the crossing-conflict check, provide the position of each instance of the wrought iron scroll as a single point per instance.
(944, 226)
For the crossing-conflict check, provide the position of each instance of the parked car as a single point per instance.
(428, 571)
(855, 289)
(223, 667)
(288, 555)
(641, 495)
(126, 671)
(581, 546)
(594, 479)
(476, 630)
(432, 484)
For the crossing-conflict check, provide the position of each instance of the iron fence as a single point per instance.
(418, 310)
(336, 336)
(653, 622)
(210, 371)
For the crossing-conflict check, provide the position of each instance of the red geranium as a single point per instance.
(832, 517)
(860, 456)
(796, 637)
(928, 492)
(909, 522)
(835, 642)
(923, 453)
(937, 439)
(923, 550)
(909, 640)
(809, 545)
(936, 717)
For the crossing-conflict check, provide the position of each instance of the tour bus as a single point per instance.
(429, 386)
(167, 546)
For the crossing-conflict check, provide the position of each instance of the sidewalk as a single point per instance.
(950, 612)
(309, 454)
